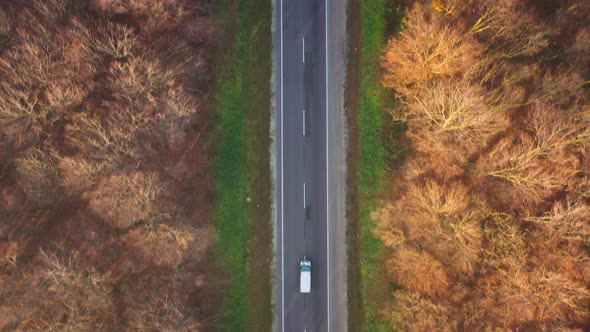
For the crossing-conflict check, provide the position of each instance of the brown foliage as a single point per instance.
(122, 200)
(58, 294)
(151, 15)
(38, 177)
(419, 272)
(427, 49)
(527, 176)
(539, 165)
(510, 28)
(490, 228)
(579, 53)
(419, 313)
(97, 106)
(440, 220)
(537, 295)
(448, 121)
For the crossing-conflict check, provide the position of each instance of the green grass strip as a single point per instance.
(371, 103)
(232, 176)
(243, 67)
(373, 162)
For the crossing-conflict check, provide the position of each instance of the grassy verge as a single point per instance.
(353, 234)
(242, 174)
(372, 162)
(374, 151)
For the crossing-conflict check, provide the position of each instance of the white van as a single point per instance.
(305, 276)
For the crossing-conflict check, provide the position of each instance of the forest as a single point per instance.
(487, 223)
(105, 189)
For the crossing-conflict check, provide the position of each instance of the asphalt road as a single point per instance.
(310, 65)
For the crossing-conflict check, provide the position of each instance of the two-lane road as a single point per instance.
(310, 145)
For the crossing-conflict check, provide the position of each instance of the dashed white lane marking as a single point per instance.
(304, 195)
(304, 122)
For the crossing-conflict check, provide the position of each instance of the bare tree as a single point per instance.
(94, 107)
(510, 29)
(556, 131)
(154, 15)
(499, 125)
(419, 272)
(165, 315)
(449, 121)
(523, 164)
(414, 312)
(45, 74)
(113, 145)
(123, 199)
(72, 297)
(570, 221)
(463, 113)
(17, 105)
(449, 7)
(5, 29)
(539, 295)
(579, 53)
(561, 88)
(561, 239)
(55, 10)
(441, 220)
(19, 99)
(505, 248)
(426, 49)
(116, 40)
(77, 174)
(38, 177)
(9, 254)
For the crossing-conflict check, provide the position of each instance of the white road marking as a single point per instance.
(303, 49)
(282, 192)
(304, 122)
(304, 195)
(327, 168)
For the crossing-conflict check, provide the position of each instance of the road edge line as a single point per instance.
(327, 166)
(282, 192)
